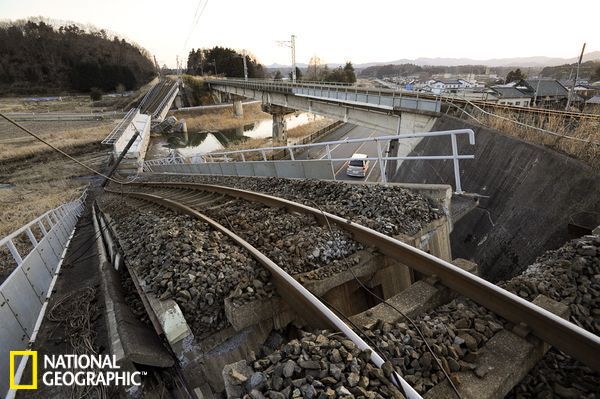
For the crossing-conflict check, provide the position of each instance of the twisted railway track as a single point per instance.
(196, 200)
(153, 103)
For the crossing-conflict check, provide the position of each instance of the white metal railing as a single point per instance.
(344, 92)
(24, 293)
(297, 150)
(114, 135)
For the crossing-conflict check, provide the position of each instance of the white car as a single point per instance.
(358, 165)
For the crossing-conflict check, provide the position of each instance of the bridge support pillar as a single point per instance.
(238, 109)
(279, 124)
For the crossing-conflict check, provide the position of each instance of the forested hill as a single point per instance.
(36, 57)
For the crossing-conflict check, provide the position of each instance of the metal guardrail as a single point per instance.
(351, 94)
(24, 293)
(240, 155)
(114, 135)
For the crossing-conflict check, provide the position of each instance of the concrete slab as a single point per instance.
(252, 313)
(505, 360)
(418, 298)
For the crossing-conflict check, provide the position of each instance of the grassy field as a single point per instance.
(15, 143)
(41, 179)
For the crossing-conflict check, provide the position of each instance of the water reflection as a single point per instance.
(193, 145)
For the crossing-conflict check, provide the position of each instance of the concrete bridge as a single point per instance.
(387, 111)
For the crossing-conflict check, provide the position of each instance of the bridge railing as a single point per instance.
(114, 135)
(36, 251)
(323, 166)
(380, 98)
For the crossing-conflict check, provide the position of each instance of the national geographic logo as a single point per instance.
(79, 370)
(34, 369)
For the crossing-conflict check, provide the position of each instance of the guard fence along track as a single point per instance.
(565, 336)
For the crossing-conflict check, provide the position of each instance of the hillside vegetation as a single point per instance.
(589, 70)
(36, 57)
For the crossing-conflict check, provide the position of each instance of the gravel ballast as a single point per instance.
(390, 209)
(571, 275)
(181, 258)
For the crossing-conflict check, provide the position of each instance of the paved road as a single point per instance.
(349, 131)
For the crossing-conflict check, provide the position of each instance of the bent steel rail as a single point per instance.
(566, 336)
(300, 298)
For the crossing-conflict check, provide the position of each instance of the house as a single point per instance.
(446, 86)
(593, 104)
(546, 93)
(512, 95)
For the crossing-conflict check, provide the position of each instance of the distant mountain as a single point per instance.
(536, 61)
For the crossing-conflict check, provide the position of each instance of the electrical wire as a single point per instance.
(59, 150)
(409, 319)
(362, 332)
(195, 21)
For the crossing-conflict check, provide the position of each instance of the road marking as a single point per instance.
(372, 169)
(355, 151)
(337, 145)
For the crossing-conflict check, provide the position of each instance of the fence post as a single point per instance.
(15, 253)
(456, 164)
(380, 160)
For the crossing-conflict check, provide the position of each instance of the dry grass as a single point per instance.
(25, 146)
(24, 203)
(43, 179)
(579, 140)
(308, 128)
(222, 118)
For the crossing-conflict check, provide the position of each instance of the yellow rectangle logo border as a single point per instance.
(34, 360)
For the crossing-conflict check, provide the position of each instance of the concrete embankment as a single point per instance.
(530, 195)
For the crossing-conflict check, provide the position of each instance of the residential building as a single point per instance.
(511, 95)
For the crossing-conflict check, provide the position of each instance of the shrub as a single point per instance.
(95, 94)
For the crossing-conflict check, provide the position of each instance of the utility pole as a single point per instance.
(291, 44)
(576, 78)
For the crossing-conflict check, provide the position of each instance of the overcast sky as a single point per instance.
(335, 30)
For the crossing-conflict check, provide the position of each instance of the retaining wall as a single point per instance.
(530, 194)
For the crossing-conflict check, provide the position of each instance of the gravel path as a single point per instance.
(388, 209)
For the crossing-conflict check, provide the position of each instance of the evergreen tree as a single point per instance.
(349, 75)
(515, 76)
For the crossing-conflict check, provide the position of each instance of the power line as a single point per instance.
(195, 20)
